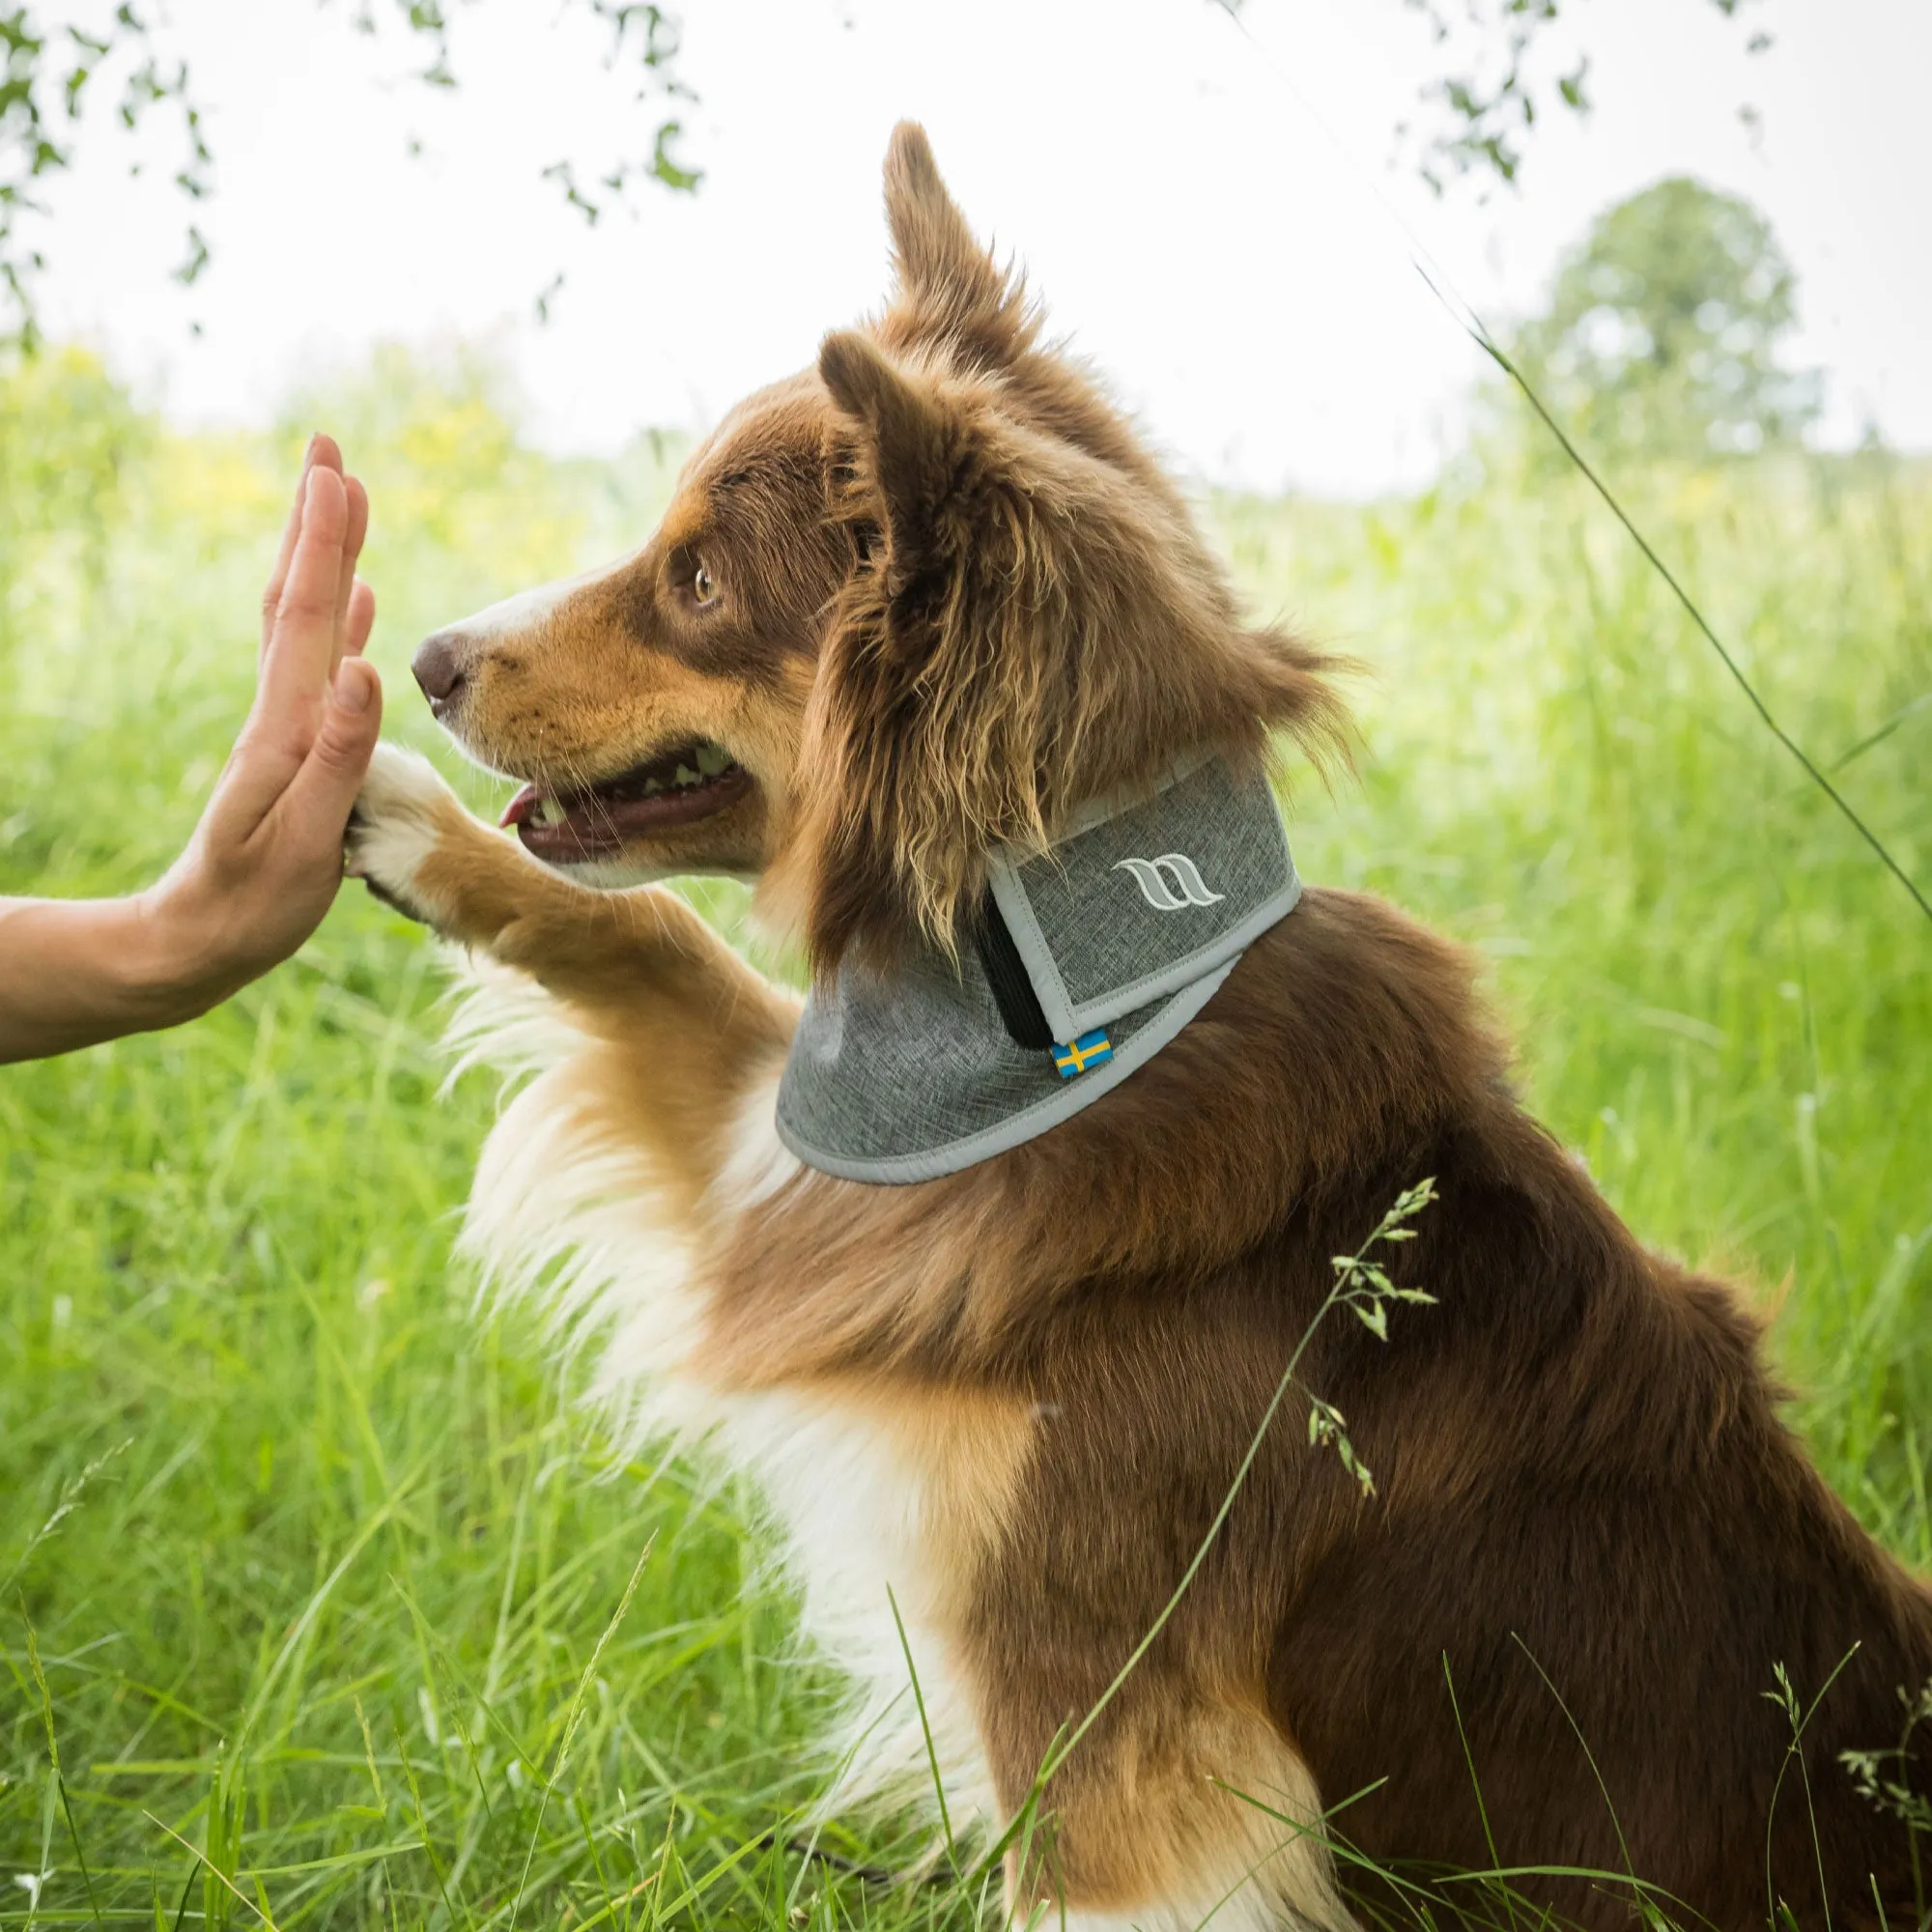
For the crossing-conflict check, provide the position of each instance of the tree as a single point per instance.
(1664, 326)
(1504, 63)
(54, 58)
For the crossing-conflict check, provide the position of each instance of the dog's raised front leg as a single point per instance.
(638, 969)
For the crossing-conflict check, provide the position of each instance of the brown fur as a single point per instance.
(960, 600)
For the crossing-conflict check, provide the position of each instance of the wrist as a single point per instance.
(89, 969)
(167, 971)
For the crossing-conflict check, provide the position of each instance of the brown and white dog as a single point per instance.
(916, 603)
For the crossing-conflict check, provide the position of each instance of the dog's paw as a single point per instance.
(401, 813)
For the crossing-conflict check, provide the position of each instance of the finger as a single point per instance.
(352, 549)
(301, 646)
(271, 597)
(361, 615)
(315, 808)
(291, 696)
(320, 449)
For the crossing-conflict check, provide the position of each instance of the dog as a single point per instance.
(919, 606)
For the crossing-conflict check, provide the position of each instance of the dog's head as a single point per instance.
(908, 606)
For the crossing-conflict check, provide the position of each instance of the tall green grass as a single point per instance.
(1721, 1000)
(307, 1567)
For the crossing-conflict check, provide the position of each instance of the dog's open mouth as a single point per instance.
(691, 781)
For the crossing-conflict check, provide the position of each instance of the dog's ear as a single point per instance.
(907, 441)
(951, 291)
(1025, 628)
(912, 764)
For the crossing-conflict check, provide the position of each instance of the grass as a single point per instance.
(331, 1624)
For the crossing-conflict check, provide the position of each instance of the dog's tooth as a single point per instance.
(686, 776)
(711, 760)
(551, 812)
(652, 787)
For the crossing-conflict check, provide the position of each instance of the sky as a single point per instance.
(1207, 205)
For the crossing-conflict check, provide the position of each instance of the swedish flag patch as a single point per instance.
(1090, 1049)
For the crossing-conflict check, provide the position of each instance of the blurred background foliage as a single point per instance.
(1665, 334)
(327, 1570)
(69, 68)
(1501, 66)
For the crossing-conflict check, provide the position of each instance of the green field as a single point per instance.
(306, 1566)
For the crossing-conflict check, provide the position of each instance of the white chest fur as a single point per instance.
(854, 1509)
(564, 1212)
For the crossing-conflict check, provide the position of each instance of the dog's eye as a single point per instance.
(703, 586)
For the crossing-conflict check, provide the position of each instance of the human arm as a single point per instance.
(266, 860)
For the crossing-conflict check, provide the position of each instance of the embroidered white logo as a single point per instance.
(1161, 879)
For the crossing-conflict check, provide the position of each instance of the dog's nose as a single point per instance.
(441, 667)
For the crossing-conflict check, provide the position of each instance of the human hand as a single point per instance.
(266, 860)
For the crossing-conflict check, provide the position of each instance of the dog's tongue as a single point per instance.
(518, 808)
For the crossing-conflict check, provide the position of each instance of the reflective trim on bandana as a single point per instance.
(1143, 899)
(1126, 930)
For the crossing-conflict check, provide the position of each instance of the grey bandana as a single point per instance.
(1093, 956)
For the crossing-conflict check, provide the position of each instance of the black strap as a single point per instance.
(1007, 973)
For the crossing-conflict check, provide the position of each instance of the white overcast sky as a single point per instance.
(1208, 212)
